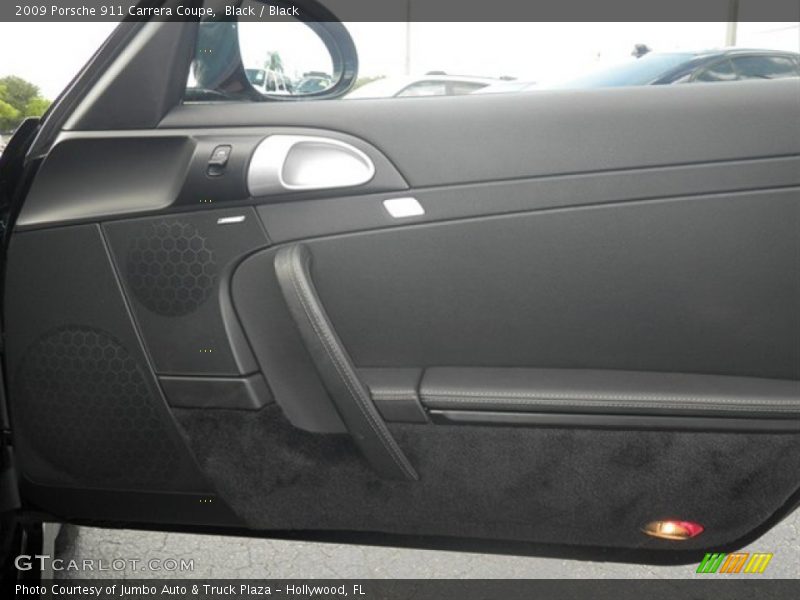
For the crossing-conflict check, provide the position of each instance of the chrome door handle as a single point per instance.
(282, 163)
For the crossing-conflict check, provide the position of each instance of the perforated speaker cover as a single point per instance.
(174, 270)
(94, 415)
(171, 268)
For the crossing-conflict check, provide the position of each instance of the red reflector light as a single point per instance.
(673, 530)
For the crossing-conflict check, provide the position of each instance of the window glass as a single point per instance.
(425, 88)
(256, 76)
(764, 67)
(457, 88)
(398, 60)
(636, 71)
(721, 71)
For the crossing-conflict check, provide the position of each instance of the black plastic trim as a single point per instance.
(608, 391)
(626, 422)
(160, 509)
(242, 393)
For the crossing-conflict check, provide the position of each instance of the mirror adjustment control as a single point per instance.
(218, 161)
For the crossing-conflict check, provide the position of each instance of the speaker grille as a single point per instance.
(90, 412)
(171, 268)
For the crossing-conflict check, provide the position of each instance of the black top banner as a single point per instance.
(402, 10)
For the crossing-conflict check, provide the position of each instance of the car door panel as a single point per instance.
(591, 326)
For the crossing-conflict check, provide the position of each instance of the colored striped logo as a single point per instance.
(737, 562)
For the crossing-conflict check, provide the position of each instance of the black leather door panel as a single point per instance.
(703, 285)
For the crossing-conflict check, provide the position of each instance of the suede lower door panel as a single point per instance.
(551, 486)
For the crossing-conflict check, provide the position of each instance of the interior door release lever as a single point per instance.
(218, 160)
(282, 163)
(349, 394)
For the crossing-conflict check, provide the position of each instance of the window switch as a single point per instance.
(218, 161)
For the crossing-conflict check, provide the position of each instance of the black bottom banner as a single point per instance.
(411, 589)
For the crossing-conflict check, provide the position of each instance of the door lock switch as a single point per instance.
(218, 161)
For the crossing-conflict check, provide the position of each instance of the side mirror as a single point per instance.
(311, 56)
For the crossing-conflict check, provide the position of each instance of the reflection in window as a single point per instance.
(721, 71)
(425, 88)
(765, 67)
(459, 88)
(256, 76)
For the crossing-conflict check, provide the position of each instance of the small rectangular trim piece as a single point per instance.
(238, 393)
(401, 208)
(230, 220)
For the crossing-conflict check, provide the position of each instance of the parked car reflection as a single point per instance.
(660, 68)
